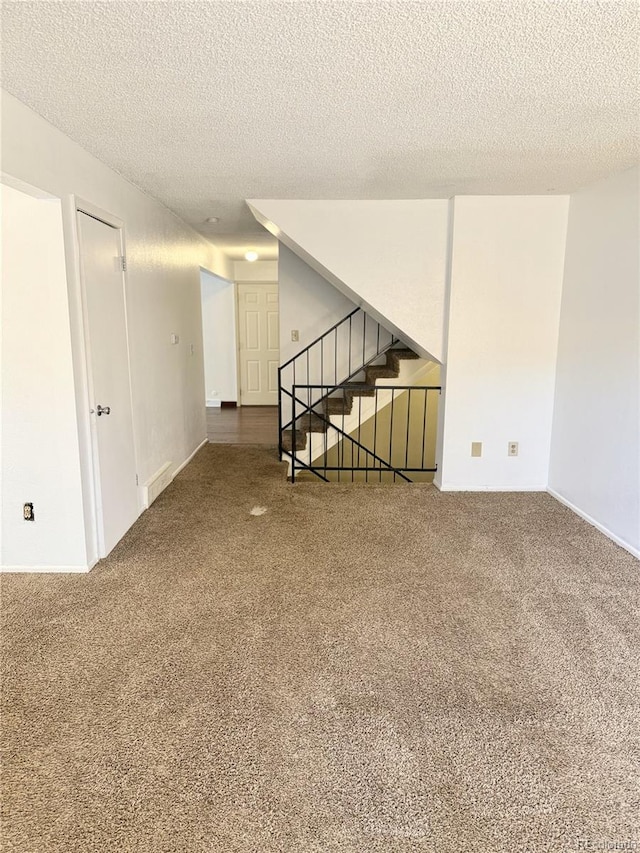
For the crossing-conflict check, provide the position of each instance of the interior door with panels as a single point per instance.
(259, 343)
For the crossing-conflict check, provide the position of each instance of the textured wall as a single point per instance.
(389, 257)
(595, 452)
(255, 270)
(40, 456)
(163, 291)
(219, 339)
(504, 308)
(308, 303)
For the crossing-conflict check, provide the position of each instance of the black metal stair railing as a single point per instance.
(393, 441)
(338, 355)
(317, 390)
(343, 436)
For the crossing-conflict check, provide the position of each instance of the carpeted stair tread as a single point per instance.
(394, 356)
(380, 371)
(336, 406)
(358, 389)
(287, 440)
(343, 405)
(311, 423)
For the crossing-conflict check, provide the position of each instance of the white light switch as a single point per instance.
(175, 339)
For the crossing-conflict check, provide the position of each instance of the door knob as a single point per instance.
(103, 410)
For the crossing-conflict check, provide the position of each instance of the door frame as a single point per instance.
(237, 310)
(81, 205)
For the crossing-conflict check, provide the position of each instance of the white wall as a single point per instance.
(595, 450)
(507, 255)
(163, 292)
(387, 256)
(219, 325)
(311, 305)
(39, 437)
(308, 303)
(219, 339)
(255, 270)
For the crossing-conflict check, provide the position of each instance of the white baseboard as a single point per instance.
(156, 484)
(617, 539)
(190, 457)
(465, 487)
(213, 404)
(46, 569)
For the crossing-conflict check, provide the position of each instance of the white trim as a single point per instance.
(156, 484)
(161, 473)
(214, 404)
(86, 351)
(189, 458)
(236, 324)
(81, 375)
(451, 487)
(617, 539)
(215, 274)
(81, 205)
(45, 569)
(27, 189)
(84, 206)
(239, 377)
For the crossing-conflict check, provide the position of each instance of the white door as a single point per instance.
(108, 352)
(259, 344)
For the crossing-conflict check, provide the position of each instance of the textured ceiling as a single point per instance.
(204, 104)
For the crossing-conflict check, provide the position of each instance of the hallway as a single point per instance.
(243, 425)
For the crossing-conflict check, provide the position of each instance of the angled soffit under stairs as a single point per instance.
(389, 257)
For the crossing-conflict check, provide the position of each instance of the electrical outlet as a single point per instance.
(476, 448)
(295, 335)
(27, 512)
(512, 448)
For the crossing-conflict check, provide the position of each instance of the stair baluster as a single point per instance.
(306, 408)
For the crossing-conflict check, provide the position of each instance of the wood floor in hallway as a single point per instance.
(243, 425)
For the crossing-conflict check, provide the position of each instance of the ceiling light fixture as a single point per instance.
(212, 220)
(251, 256)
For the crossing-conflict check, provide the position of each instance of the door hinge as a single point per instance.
(123, 263)
(137, 483)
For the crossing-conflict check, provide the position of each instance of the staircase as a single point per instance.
(333, 387)
(341, 401)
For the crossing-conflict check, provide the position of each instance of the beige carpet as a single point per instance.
(357, 669)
